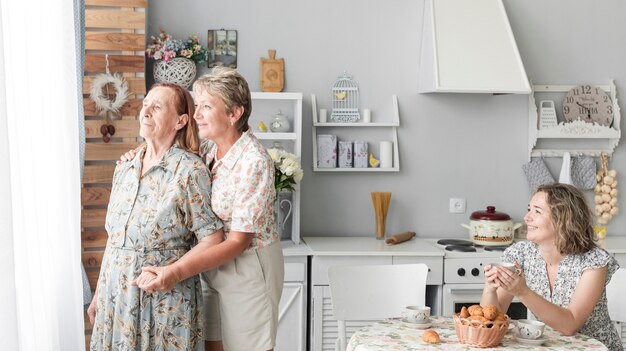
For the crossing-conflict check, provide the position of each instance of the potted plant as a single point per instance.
(175, 59)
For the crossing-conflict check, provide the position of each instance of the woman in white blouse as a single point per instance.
(562, 273)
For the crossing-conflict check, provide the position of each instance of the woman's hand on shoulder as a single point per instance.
(129, 155)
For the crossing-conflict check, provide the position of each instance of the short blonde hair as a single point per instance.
(232, 88)
(571, 217)
(187, 137)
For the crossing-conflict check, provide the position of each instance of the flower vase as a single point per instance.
(179, 70)
(282, 211)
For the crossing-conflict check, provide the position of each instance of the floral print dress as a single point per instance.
(599, 325)
(153, 221)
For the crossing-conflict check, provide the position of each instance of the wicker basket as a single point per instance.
(178, 70)
(479, 334)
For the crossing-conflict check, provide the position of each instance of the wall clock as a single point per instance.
(590, 104)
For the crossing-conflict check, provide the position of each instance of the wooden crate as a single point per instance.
(115, 32)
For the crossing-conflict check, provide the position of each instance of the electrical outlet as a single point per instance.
(457, 205)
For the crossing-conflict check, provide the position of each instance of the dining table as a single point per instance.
(395, 334)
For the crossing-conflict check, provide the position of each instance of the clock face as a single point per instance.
(590, 104)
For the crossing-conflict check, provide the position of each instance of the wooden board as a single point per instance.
(114, 41)
(117, 63)
(94, 239)
(123, 128)
(130, 108)
(120, 3)
(107, 151)
(272, 73)
(135, 85)
(92, 259)
(94, 196)
(97, 174)
(114, 19)
(93, 218)
(92, 276)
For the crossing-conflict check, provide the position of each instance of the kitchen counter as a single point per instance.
(370, 246)
(614, 244)
(292, 249)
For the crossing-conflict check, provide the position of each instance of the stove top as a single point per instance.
(461, 248)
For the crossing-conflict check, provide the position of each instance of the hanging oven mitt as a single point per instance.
(565, 176)
(584, 172)
(537, 173)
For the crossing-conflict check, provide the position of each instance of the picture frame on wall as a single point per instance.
(222, 46)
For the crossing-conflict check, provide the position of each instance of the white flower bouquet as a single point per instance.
(288, 170)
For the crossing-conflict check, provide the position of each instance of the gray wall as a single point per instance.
(451, 145)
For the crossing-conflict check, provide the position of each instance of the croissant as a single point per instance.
(430, 336)
(490, 312)
(464, 313)
(476, 311)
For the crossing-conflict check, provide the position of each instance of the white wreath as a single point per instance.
(103, 104)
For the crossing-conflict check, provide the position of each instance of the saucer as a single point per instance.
(424, 325)
(534, 342)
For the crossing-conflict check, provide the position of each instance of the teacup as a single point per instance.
(416, 314)
(507, 265)
(529, 329)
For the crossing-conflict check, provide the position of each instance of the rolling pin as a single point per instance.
(398, 238)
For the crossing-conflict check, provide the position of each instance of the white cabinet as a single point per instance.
(264, 107)
(577, 137)
(292, 312)
(382, 131)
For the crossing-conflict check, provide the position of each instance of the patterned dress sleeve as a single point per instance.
(597, 258)
(254, 197)
(199, 216)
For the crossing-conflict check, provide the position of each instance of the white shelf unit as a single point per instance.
(577, 137)
(336, 127)
(264, 107)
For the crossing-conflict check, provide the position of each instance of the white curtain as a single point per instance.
(41, 295)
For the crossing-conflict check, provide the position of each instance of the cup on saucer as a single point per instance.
(416, 314)
(530, 329)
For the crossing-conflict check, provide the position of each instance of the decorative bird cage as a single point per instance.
(345, 100)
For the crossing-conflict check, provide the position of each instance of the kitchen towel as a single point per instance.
(583, 172)
(398, 238)
(565, 177)
(537, 173)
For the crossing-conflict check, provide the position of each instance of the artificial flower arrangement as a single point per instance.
(288, 171)
(165, 48)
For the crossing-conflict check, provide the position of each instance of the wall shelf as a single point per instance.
(265, 105)
(577, 137)
(341, 128)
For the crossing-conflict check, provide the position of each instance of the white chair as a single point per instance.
(614, 295)
(374, 292)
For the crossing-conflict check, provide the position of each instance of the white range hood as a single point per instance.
(468, 47)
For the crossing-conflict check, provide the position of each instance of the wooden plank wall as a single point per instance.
(116, 28)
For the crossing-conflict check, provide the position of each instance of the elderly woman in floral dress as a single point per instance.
(158, 209)
(245, 272)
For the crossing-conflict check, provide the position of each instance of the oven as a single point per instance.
(463, 278)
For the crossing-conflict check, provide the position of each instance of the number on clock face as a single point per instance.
(590, 104)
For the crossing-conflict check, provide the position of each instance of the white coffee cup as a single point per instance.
(529, 329)
(507, 265)
(416, 314)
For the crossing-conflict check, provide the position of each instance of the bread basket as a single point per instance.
(480, 334)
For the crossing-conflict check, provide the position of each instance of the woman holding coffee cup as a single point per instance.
(561, 273)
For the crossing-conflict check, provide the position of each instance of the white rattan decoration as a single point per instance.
(345, 98)
(100, 96)
(178, 70)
